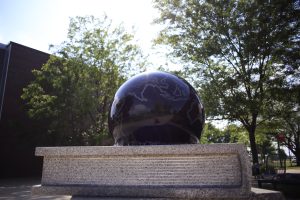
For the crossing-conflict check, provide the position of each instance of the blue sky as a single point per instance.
(39, 23)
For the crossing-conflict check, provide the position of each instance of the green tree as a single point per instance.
(232, 49)
(285, 118)
(238, 134)
(211, 134)
(265, 141)
(230, 134)
(73, 90)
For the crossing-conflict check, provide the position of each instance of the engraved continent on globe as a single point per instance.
(156, 108)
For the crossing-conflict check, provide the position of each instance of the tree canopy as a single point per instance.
(234, 51)
(74, 89)
(284, 119)
(230, 134)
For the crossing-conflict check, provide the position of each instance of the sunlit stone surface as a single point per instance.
(156, 171)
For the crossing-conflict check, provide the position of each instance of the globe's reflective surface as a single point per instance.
(156, 108)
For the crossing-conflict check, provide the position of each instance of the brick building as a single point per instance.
(17, 131)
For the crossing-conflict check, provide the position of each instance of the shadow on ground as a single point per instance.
(17, 189)
(290, 191)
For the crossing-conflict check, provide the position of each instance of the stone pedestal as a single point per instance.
(218, 171)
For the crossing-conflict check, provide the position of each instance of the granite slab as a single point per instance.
(163, 171)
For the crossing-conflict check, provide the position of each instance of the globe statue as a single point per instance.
(156, 108)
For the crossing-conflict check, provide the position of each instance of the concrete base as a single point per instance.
(217, 171)
(256, 194)
(262, 194)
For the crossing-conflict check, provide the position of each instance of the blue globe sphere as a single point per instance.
(156, 108)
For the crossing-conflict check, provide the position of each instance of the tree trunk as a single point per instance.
(297, 155)
(251, 127)
(253, 145)
(297, 149)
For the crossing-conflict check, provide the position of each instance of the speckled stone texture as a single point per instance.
(256, 194)
(163, 171)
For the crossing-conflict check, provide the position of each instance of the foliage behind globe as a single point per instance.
(156, 108)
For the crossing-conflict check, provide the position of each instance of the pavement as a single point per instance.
(293, 171)
(20, 189)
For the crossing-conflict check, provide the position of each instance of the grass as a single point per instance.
(293, 167)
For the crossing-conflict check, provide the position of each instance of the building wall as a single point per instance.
(17, 131)
(3, 69)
